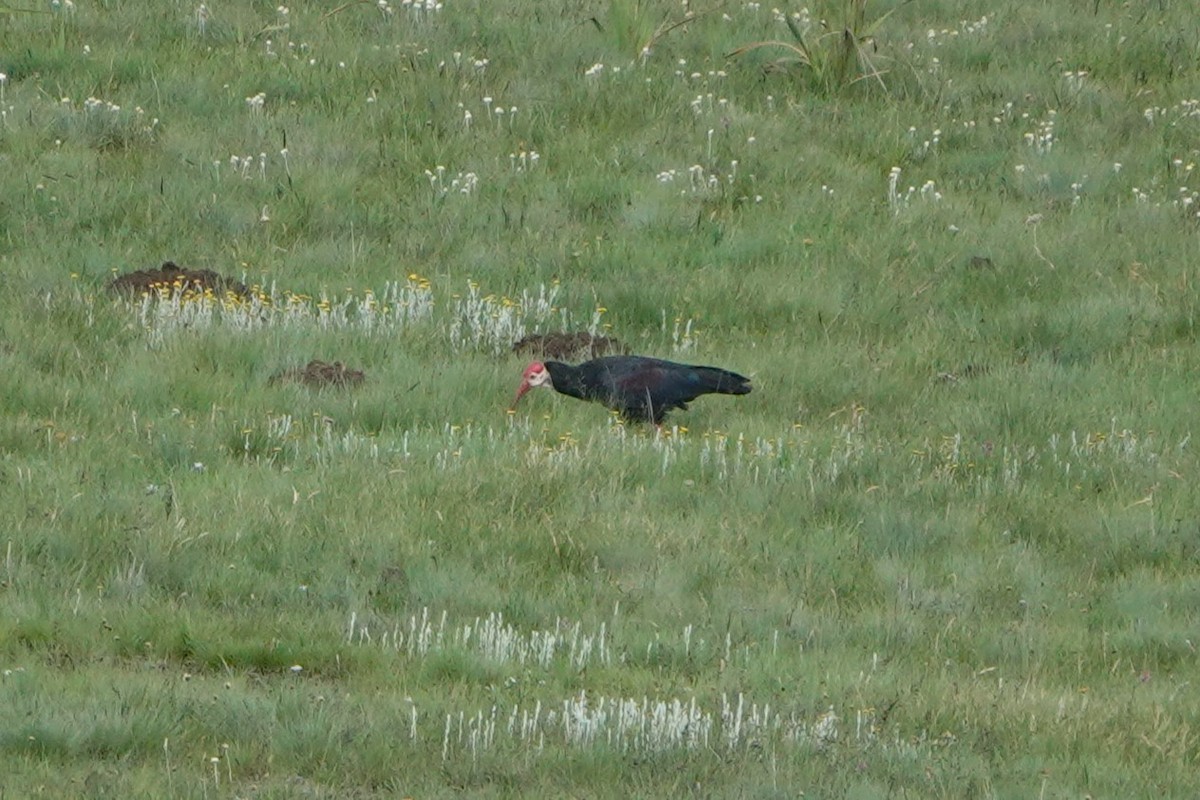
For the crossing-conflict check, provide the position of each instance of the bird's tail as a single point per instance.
(715, 380)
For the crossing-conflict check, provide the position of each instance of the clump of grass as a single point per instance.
(636, 26)
(170, 310)
(104, 125)
(490, 638)
(644, 726)
(829, 53)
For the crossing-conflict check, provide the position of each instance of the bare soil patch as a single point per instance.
(172, 277)
(319, 374)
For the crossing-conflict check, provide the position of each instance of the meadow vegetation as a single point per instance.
(948, 547)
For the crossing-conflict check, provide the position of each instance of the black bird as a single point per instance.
(641, 389)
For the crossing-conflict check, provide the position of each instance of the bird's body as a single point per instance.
(639, 388)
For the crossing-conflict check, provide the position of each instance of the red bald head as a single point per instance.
(535, 375)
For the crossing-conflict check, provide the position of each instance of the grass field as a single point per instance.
(948, 547)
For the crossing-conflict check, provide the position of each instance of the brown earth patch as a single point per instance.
(317, 374)
(568, 346)
(171, 277)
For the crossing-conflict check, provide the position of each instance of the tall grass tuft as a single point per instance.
(829, 51)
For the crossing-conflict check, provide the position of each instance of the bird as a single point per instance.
(639, 388)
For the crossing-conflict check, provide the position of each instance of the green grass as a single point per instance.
(946, 548)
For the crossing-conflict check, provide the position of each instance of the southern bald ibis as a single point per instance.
(641, 389)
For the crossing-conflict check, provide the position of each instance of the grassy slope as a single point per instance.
(957, 510)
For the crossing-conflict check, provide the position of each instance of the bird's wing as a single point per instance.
(661, 383)
(636, 378)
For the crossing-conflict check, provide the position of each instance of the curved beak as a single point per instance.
(521, 390)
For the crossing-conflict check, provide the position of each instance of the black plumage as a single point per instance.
(641, 389)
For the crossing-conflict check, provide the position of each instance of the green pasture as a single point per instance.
(948, 547)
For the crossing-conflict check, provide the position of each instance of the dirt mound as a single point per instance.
(317, 374)
(172, 277)
(566, 346)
